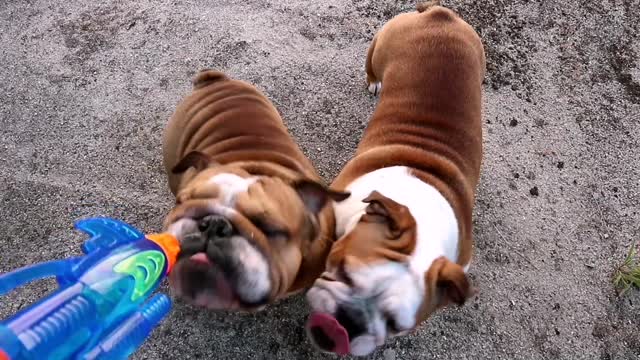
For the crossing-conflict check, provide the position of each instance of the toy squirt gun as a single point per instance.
(99, 310)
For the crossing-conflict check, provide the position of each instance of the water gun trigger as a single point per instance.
(106, 233)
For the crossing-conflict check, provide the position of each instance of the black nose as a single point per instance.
(192, 244)
(214, 232)
(353, 318)
(215, 226)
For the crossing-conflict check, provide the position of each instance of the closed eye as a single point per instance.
(269, 230)
(276, 234)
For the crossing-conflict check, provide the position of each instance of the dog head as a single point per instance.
(243, 237)
(383, 278)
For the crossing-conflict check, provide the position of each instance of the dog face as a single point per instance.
(381, 280)
(243, 237)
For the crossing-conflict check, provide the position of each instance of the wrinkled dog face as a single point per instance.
(379, 282)
(242, 237)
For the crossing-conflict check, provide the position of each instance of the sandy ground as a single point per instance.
(87, 86)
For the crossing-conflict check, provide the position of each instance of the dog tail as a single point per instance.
(426, 5)
(207, 76)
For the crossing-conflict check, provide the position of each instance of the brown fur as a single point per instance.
(228, 126)
(214, 120)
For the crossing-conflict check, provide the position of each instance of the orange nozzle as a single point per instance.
(169, 245)
(3, 355)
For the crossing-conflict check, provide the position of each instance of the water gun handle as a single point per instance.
(49, 324)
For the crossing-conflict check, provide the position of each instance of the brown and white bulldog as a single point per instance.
(405, 234)
(250, 208)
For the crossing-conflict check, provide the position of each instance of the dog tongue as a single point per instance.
(200, 258)
(332, 329)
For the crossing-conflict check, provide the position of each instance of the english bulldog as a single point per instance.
(251, 212)
(404, 236)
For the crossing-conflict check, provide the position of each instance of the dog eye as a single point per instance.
(270, 231)
(272, 234)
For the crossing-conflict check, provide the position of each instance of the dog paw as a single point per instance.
(375, 88)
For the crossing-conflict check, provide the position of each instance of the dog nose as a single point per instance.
(192, 244)
(215, 226)
(353, 318)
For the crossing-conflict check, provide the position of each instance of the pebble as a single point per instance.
(534, 191)
(389, 354)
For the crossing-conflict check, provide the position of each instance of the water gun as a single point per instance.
(99, 310)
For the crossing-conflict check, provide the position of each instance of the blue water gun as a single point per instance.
(99, 309)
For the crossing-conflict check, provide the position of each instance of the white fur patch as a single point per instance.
(325, 295)
(437, 226)
(230, 186)
(183, 226)
(255, 277)
(363, 345)
(375, 88)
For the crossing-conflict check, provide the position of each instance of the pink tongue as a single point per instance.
(332, 329)
(201, 258)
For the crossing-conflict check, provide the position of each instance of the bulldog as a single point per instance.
(404, 236)
(251, 212)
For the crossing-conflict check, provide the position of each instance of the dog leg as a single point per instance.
(373, 84)
(375, 88)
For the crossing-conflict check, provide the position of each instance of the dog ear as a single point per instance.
(315, 195)
(449, 282)
(382, 208)
(194, 159)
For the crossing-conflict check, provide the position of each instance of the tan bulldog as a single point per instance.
(405, 234)
(250, 209)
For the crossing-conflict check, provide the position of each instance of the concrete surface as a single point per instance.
(86, 87)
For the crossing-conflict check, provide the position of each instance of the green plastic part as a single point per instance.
(146, 269)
